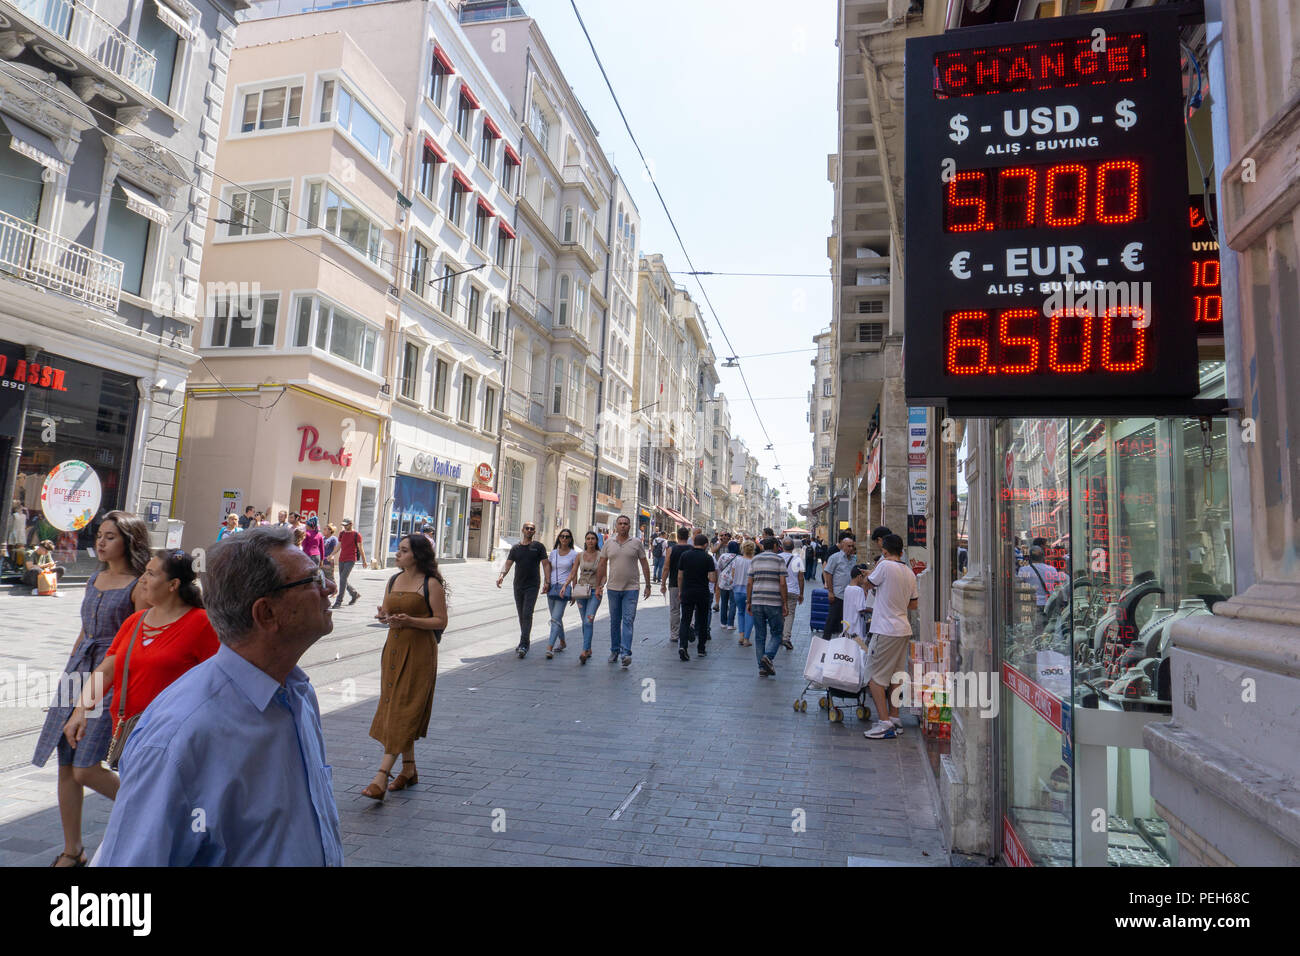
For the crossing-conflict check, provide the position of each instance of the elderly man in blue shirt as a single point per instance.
(227, 765)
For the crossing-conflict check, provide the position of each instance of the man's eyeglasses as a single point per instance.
(318, 579)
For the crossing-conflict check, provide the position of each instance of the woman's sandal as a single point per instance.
(374, 792)
(78, 858)
(402, 781)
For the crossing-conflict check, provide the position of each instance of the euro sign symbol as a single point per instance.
(1126, 119)
(958, 265)
(1131, 257)
(958, 126)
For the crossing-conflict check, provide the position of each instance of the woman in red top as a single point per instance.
(174, 635)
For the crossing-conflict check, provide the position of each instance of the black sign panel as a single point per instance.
(1046, 217)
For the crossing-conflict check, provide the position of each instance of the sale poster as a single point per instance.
(232, 500)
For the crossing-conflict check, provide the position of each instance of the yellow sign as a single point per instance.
(844, 526)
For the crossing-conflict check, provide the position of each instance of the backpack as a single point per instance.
(726, 573)
(659, 547)
(424, 588)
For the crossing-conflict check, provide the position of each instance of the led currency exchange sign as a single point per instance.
(1047, 218)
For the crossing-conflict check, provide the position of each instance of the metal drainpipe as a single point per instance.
(604, 332)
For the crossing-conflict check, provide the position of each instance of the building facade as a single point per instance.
(821, 422)
(110, 119)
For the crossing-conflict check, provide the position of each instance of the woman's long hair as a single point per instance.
(591, 535)
(563, 532)
(179, 566)
(426, 562)
(135, 533)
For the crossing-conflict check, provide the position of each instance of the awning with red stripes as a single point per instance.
(505, 227)
(432, 149)
(441, 57)
(512, 157)
(463, 180)
(485, 207)
(468, 96)
(490, 128)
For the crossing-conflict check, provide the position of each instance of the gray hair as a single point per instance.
(241, 570)
(788, 544)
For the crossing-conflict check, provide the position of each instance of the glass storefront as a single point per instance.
(1109, 530)
(415, 504)
(454, 519)
(90, 420)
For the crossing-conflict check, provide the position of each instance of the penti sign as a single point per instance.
(1046, 218)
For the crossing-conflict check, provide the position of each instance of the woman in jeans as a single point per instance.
(723, 595)
(582, 576)
(563, 560)
(740, 592)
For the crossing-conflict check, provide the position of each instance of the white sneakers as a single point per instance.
(881, 730)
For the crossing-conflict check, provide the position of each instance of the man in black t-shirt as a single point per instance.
(695, 572)
(668, 583)
(527, 557)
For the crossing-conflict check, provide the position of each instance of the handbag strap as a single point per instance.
(126, 669)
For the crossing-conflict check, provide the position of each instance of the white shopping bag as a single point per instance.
(844, 665)
(1053, 672)
(812, 670)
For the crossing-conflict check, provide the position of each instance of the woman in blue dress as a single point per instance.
(122, 544)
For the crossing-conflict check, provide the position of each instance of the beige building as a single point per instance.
(820, 510)
(289, 409)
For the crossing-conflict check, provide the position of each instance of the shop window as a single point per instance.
(243, 322)
(276, 107)
(441, 372)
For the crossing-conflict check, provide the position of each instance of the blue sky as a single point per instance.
(734, 106)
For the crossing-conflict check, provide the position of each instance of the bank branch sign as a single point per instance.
(1046, 216)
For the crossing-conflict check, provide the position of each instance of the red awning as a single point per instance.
(818, 508)
(486, 207)
(442, 59)
(433, 149)
(476, 495)
(677, 516)
(512, 157)
(461, 178)
(468, 96)
(505, 227)
(490, 128)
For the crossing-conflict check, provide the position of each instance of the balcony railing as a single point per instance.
(578, 175)
(589, 443)
(544, 316)
(521, 406)
(527, 301)
(83, 28)
(44, 258)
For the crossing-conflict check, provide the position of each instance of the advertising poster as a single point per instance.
(71, 495)
(231, 501)
(918, 437)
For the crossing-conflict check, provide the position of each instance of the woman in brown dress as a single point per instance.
(415, 610)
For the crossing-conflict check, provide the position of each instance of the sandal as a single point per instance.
(374, 792)
(402, 781)
(78, 858)
(550, 653)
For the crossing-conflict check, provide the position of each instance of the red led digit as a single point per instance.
(1119, 190)
(1072, 199)
(1007, 342)
(1124, 326)
(1205, 274)
(967, 208)
(1055, 341)
(1209, 308)
(1017, 195)
(979, 342)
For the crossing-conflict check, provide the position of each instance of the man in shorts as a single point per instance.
(894, 586)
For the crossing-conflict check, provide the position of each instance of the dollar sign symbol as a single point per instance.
(1127, 118)
(958, 126)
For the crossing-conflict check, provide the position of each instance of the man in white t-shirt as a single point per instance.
(794, 585)
(894, 588)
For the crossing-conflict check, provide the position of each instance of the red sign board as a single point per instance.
(1042, 701)
(1011, 847)
(309, 502)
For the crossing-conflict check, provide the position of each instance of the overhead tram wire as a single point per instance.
(671, 222)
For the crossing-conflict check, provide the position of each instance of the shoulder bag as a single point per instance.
(124, 726)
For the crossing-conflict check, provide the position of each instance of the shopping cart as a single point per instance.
(829, 693)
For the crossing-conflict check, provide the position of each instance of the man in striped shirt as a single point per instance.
(765, 603)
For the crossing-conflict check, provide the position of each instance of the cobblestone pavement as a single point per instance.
(548, 762)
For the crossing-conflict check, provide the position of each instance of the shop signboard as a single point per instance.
(1012, 849)
(483, 475)
(917, 493)
(1046, 166)
(1042, 701)
(309, 502)
(918, 437)
(71, 495)
(1207, 291)
(916, 537)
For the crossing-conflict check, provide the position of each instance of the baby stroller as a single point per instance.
(832, 690)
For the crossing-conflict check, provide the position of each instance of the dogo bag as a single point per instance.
(843, 668)
(812, 670)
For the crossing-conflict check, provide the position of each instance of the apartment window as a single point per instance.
(494, 332)
(575, 387)
(277, 107)
(440, 375)
(486, 148)
(509, 169)
(579, 305)
(466, 398)
(474, 309)
(465, 108)
(448, 289)
(127, 238)
(826, 456)
(557, 387)
(257, 212)
(419, 266)
(363, 126)
(871, 332)
(164, 43)
(438, 74)
(871, 307)
(504, 243)
(410, 370)
(490, 410)
(715, 442)
(568, 224)
(338, 332)
(238, 323)
(562, 303)
(338, 216)
(826, 387)
(430, 159)
(826, 421)
(483, 216)
(541, 127)
(460, 190)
